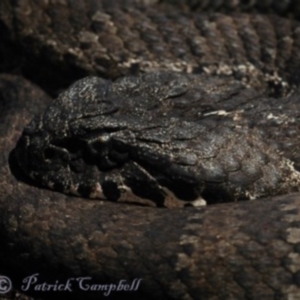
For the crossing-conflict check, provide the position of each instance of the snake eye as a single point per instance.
(49, 153)
(56, 153)
(72, 145)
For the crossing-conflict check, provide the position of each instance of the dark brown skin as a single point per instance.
(284, 7)
(247, 250)
(59, 42)
(243, 250)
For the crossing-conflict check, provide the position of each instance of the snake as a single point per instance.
(213, 84)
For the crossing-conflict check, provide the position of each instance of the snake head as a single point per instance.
(154, 139)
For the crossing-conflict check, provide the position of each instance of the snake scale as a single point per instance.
(241, 250)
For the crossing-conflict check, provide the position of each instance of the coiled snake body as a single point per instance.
(243, 250)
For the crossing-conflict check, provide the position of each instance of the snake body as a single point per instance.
(247, 250)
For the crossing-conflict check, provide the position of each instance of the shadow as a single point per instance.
(17, 172)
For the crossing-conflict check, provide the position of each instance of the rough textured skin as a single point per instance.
(219, 252)
(233, 251)
(64, 235)
(170, 138)
(284, 7)
(65, 40)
